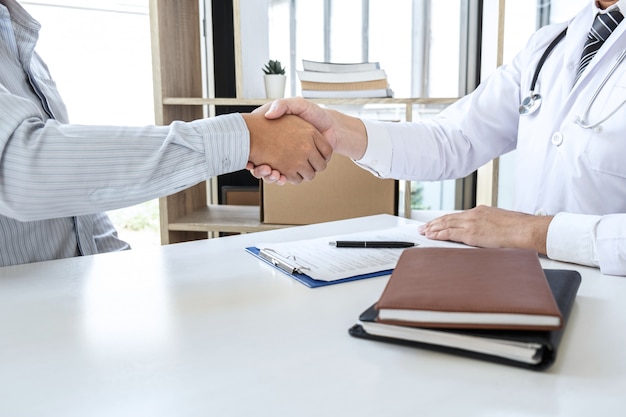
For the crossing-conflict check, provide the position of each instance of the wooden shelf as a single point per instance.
(199, 101)
(408, 103)
(223, 218)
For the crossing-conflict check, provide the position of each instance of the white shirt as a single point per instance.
(576, 174)
(54, 176)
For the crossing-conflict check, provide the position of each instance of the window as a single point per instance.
(104, 73)
(420, 44)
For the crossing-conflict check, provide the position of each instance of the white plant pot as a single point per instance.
(274, 85)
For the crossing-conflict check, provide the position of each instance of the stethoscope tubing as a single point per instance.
(543, 58)
(581, 120)
(532, 102)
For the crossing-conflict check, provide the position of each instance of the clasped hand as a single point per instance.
(319, 119)
(292, 147)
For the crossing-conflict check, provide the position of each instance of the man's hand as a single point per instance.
(491, 227)
(289, 145)
(312, 113)
(344, 133)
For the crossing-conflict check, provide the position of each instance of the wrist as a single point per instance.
(351, 136)
(250, 124)
(538, 233)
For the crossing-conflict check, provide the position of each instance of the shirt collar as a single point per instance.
(20, 16)
(608, 9)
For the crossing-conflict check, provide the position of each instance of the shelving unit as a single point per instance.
(178, 92)
(408, 103)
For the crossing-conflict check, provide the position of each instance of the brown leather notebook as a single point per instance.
(469, 288)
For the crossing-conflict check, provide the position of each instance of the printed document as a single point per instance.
(323, 262)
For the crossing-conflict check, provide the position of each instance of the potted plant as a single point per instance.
(275, 78)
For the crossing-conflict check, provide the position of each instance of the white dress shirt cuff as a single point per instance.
(571, 238)
(377, 157)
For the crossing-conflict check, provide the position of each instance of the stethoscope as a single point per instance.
(531, 103)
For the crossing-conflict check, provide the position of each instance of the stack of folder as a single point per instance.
(492, 304)
(339, 80)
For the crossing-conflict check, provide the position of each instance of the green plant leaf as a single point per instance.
(274, 67)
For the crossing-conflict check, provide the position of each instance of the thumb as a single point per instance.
(276, 110)
(294, 105)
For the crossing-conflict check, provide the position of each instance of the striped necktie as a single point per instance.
(603, 25)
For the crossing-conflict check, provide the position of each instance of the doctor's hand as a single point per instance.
(491, 227)
(345, 134)
(289, 145)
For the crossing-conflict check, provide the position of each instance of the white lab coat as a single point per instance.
(582, 180)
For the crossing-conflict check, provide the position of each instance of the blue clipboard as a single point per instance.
(307, 280)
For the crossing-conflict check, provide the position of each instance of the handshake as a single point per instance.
(292, 139)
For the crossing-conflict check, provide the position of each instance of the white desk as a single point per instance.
(205, 329)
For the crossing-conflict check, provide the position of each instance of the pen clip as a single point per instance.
(280, 261)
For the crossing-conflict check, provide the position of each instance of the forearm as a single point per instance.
(56, 170)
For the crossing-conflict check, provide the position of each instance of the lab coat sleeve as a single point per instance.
(377, 157)
(463, 137)
(591, 240)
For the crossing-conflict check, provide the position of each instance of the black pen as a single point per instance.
(370, 244)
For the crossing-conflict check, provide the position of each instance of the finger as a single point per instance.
(275, 176)
(282, 180)
(439, 235)
(276, 109)
(444, 222)
(294, 179)
(323, 146)
(260, 171)
(307, 173)
(318, 162)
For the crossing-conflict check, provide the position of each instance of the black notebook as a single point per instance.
(524, 348)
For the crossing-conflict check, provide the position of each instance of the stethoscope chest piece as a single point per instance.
(530, 104)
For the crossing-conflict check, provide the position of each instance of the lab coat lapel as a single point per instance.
(577, 32)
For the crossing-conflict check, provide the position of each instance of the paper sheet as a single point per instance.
(321, 261)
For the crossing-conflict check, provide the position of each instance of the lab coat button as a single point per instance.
(541, 212)
(557, 139)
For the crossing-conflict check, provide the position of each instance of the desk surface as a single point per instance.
(205, 329)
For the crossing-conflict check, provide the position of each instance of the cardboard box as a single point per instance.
(342, 191)
(238, 195)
